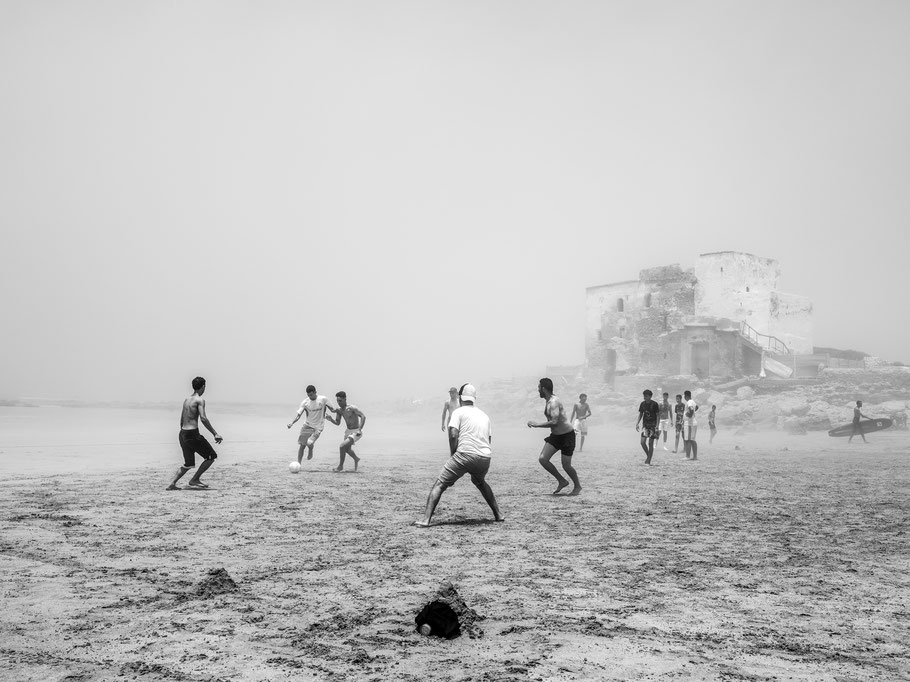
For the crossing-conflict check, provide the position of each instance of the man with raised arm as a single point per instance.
(354, 421)
(314, 406)
(470, 445)
(191, 441)
(561, 438)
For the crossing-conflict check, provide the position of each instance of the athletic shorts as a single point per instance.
(460, 464)
(309, 435)
(352, 435)
(580, 426)
(191, 442)
(649, 432)
(679, 426)
(664, 425)
(713, 428)
(689, 430)
(564, 442)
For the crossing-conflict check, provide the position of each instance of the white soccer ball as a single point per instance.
(294, 467)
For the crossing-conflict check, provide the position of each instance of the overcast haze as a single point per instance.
(395, 197)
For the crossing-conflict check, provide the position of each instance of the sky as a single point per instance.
(394, 197)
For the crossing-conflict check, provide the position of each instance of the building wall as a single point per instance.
(737, 286)
(791, 322)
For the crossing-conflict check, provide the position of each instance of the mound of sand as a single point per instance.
(217, 581)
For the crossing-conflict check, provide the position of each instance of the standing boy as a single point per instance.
(561, 438)
(648, 412)
(679, 410)
(449, 407)
(191, 441)
(665, 420)
(314, 406)
(711, 415)
(354, 421)
(580, 413)
(690, 426)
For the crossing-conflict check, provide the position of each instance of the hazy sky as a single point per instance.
(392, 197)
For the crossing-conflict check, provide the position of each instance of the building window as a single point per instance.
(619, 304)
(600, 335)
(622, 332)
(648, 300)
(747, 290)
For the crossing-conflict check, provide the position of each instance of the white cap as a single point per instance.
(468, 393)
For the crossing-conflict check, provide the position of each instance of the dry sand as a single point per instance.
(751, 564)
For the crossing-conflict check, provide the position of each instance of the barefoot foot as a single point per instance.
(559, 487)
(575, 491)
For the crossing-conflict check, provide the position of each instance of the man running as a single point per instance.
(690, 426)
(354, 421)
(665, 421)
(314, 406)
(857, 427)
(191, 441)
(449, 407)
(561, 438)
(470, 439)
(648, 412)
(580, 413)
(679, 410)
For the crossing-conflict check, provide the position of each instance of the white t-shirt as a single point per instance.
(315, 411)
(690, 405)
(474, 431)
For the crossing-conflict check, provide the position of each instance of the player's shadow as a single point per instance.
(465, 522)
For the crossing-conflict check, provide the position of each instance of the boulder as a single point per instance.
(793, 407)
(745, 393)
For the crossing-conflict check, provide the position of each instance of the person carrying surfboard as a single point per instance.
(857, 428)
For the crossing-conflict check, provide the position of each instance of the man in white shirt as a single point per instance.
(314, 406)
(470, 436)
(690, 426)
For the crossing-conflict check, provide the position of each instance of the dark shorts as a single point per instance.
(191, 442)
(649, 432)
(679, 426)
(460, 464)
(564, 442)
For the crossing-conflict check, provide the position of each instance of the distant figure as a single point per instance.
(690, 426)
(191, 441)
(711, 416)
(470, 445)
(679, 410)
(314, 406)
(354, 421)
(665, 419)
(648, 412)
(561, 438)
(580, 413)
(449, 407)
(857, 427)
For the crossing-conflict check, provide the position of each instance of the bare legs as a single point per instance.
(346, 449)
(194, 481)
(439, 488)
(581, 443)
(647, 444)
(300, 450)
(544, 459)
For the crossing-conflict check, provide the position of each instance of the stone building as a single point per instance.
(718, 319)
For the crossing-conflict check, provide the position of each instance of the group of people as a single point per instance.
(316, 408)
(656, 418)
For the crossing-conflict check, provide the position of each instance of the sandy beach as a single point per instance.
(772, 557)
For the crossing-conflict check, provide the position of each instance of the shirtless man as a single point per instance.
(857, 428)
(678, 410)
(665, 421)
(191, 441)
(561, 438)
(354, 421)
(315, 406)
(449, 406)
(580, 413)
(690, 427)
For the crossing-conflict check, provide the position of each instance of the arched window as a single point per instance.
(619, 304)
(747, 290)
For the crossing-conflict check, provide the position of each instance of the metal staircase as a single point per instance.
(763, 342)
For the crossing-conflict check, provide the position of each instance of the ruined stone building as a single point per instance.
(715, 320)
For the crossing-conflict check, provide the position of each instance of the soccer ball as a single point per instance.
(294, 467)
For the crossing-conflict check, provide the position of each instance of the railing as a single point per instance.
(770, 343)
